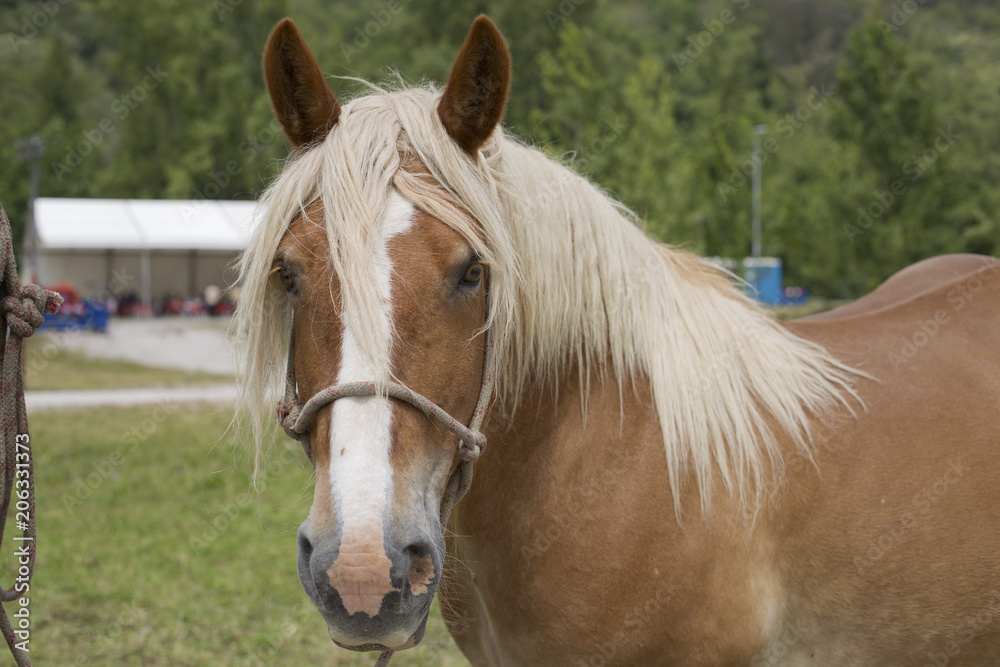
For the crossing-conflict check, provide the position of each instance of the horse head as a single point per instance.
(394, 296)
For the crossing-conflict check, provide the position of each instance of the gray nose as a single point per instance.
(374, 616)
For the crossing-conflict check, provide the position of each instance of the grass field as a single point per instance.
(153, 552)
(49, 366)
(811, 307)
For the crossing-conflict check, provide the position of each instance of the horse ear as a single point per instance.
(474, 98)
(303, 102)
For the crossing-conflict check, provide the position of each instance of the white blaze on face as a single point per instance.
(360, 473)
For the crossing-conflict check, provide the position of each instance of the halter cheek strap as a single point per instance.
(296, 418)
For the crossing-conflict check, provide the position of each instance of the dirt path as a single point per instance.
(40, 401)
(191, 344)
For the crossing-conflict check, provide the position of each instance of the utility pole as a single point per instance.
(758, 132)
(32, 148)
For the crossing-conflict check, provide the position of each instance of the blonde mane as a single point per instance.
(573, 279)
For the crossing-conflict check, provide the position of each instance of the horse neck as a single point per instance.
(557, 473)
(566, 448)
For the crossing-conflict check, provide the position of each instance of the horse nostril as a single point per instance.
(305, 547)
(422, 570)
(305, 568)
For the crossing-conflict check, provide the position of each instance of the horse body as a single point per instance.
(567, 550)
(881, 551)
(906, 498)
(672, 478)
(916, 279)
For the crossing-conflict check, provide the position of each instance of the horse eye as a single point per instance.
(473, 274)
(286, 279)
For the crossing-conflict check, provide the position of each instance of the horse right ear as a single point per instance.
(474, 98)
(303, 103)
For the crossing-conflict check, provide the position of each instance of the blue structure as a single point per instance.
(94, 316)
(764, 276)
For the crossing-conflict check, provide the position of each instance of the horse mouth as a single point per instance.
(409, 643)
(362, 647)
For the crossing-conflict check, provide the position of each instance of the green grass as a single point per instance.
(48, 366)
(152, 551)
(810, 307)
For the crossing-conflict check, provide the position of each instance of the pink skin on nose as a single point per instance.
(360, 575)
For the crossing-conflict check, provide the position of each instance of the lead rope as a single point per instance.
(23, 308)
(295, 418)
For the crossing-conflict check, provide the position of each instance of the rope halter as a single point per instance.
(296, 418)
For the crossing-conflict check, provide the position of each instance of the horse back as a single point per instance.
(924, 276)
(900, 522)
(921, 326)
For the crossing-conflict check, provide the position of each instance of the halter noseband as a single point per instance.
(296, 418)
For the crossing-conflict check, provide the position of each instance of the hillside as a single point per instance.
(881, 147)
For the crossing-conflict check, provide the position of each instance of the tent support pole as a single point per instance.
(146, 272)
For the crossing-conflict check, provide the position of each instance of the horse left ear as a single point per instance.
(474, 98)
(303, 103)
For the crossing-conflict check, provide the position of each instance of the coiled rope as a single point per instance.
(23, 307)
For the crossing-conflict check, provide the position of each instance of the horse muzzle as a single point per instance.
(373, 598)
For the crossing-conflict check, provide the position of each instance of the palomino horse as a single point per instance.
(672, 477)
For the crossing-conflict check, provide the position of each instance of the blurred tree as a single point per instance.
(883, 108)
(655, 100)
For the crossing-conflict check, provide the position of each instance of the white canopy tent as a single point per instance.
(149, 247)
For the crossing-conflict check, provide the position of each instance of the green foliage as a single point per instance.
(881, 102)
(655, 100)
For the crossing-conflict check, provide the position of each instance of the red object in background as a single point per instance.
(67, 291)
(72, 305)
(221, 308)
(174, 306)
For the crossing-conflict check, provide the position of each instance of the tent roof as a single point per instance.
(144, 224)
